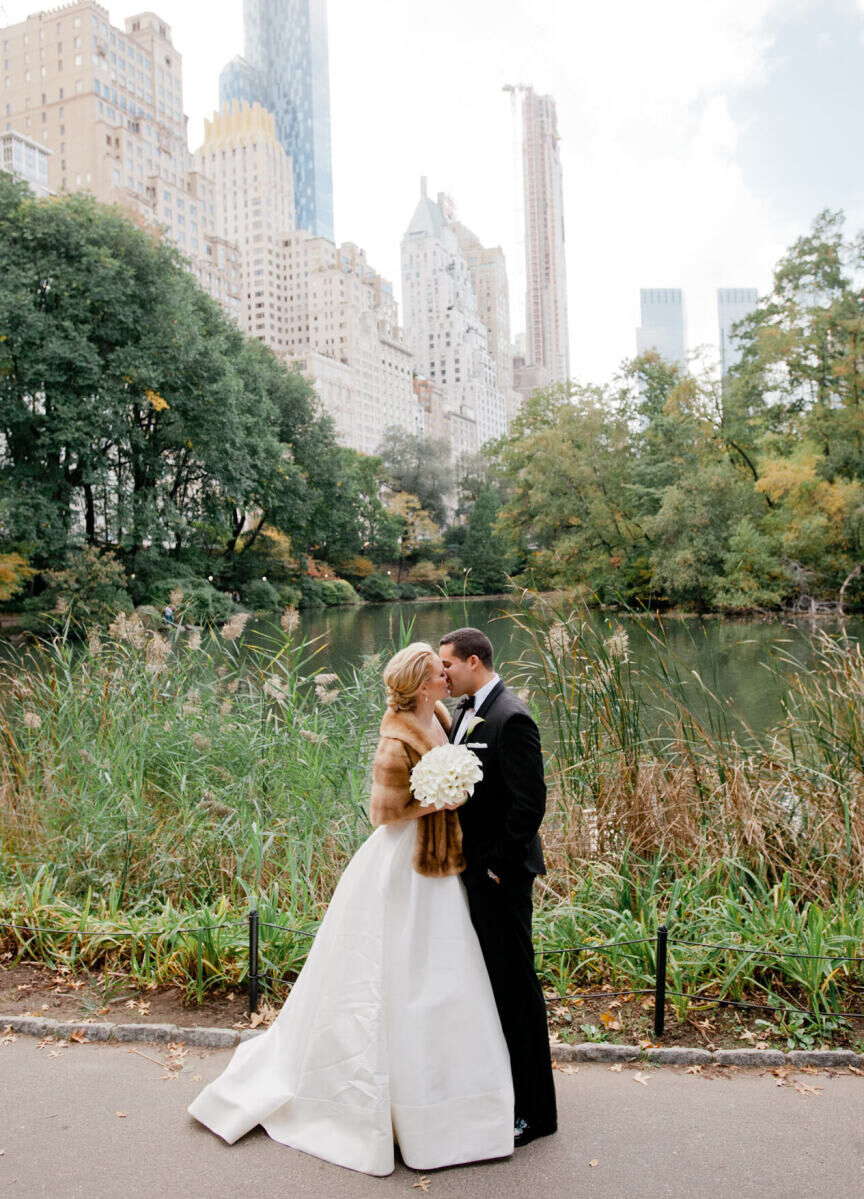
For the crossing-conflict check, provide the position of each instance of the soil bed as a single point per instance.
(34, 989)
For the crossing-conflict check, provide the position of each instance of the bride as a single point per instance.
(391, 1031)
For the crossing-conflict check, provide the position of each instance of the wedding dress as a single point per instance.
(391, 1031)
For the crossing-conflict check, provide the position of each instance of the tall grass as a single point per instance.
(153, 789)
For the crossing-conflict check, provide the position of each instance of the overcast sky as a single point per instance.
(698, 137)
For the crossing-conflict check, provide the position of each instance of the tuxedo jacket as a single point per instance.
(500, 821)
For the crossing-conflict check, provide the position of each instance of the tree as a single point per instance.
(484, 553)
(420, 466)
(568, 515)
(134, 415)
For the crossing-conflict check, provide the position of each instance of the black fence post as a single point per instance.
(253, 960)
(660, 983)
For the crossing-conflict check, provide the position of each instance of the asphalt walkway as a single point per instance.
(105, 1122)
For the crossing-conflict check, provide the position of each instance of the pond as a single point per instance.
(738, 661)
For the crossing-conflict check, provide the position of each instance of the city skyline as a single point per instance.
(687, 128)
(285, 68)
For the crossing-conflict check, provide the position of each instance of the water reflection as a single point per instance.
(738, 661)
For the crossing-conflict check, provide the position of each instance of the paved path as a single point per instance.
(691, 1137)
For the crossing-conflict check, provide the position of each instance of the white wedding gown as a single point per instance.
(391, 1031)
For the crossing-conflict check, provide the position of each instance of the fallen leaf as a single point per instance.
(56, 1053)
(809, 1069)
(693, 1070)
(120, 1115)
(7, 1036)
(422, 1184)
(593, 1162)
(762, 1045)
(568, 1069)
(617, 1068)
(609, 1021)
(195, 1078)
(80, 1038)
(640, 1077)
(804, 1088)
(855, 1070)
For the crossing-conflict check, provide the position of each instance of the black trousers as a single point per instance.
(501, 914)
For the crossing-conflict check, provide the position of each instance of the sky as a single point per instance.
(699, 138)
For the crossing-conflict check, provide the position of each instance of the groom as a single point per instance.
(502, 849)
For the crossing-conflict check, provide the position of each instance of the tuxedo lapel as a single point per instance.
(490, 699)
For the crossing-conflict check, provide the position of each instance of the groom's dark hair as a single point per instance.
(466, 642)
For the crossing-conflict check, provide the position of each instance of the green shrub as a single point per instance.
(261, 596)
(378, 588)
(407, 591)
(201, 603)
(289, 595)
(338, 591)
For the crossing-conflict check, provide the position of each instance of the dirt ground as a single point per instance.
(35, 989)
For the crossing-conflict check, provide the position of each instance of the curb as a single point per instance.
(674, 1055)
(227, 1038)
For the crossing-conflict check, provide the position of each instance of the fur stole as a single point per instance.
(438, 850)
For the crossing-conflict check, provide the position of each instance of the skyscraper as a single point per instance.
(254, 208)
(547, 340)
(443, 324)
(107, 104)
(733, 304)
(488, 272)
(663, 325)
(285, 69)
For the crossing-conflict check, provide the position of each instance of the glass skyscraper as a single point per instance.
(663, 324)
(285, 68)
(733, 304)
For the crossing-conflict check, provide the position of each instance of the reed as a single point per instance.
(151, 787)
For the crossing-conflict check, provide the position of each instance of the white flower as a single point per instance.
(235, 626)
(445, 775)
(618, 645)
(290, 619)
(473, 725)
(277, 688)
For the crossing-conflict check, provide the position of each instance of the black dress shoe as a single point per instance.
(524, 1133)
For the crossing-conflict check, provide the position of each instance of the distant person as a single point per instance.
(168, 614)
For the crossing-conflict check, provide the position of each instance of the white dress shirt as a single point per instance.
(479, 698)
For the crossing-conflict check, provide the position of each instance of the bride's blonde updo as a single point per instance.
(405, 674)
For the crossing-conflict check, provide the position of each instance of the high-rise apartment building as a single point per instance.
(108, 104)
(285, 68)
(254, 209)
(340, 327)
(443, 322)
(488, 271)
(663, 324)
(733, 304)
(547, 333)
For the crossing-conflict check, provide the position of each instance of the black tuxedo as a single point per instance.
(500, 825)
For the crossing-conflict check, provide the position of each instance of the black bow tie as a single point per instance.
(467, 701)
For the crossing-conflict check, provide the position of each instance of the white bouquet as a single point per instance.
(445, 775)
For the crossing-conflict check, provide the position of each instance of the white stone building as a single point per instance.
(443, 322)
(340, 311)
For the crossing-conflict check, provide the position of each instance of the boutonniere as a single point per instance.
(473, 725)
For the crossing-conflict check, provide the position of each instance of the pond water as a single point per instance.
(740, 662)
